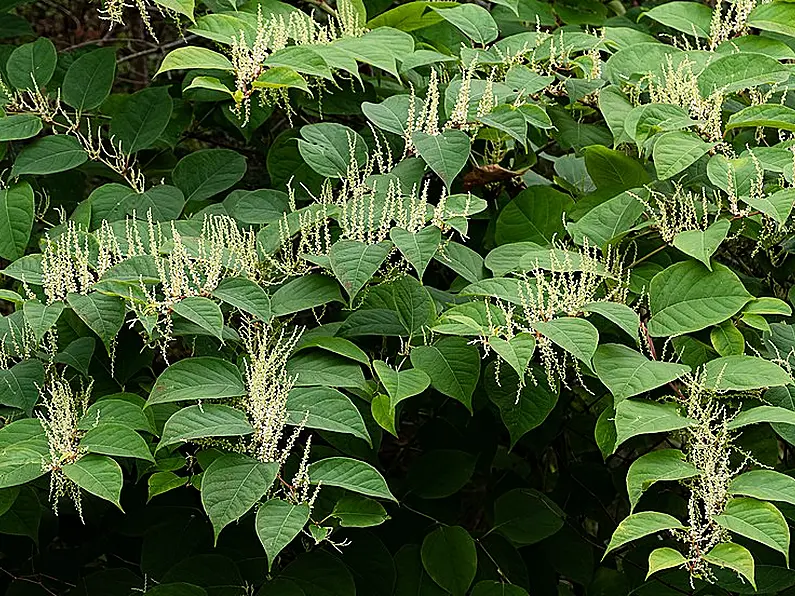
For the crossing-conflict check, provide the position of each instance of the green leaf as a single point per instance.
(619, 314)
(777, 205)
(201, 421)
(113, 438)
(639, 525)
(20, 385)
(335, 345)
(183, 7)
(521, 409)
(141, 119)
(735, 557)
(231, 485)
(103, 314)
(194, 57)
(302, 59)
(318, 367)
(350, 474)
(244, 294)
(534, 215)
(691, 18)
(607, 220)
(727, 339)
(203, 312)
(636, 417)
(440, 473)
(614, 171)
(687, 297)
(97, 474)
(526, 516)
(355, 511)
(23, 448)
(763, 115)
(700, 244)
(771, 414)
(516, 351)
(325, 408)
(354, 263)
(507, 119)
(675, 151)
(31, 65)
(656, 466)
(119, 410)
(309, 291)
(278, 523)
(740, 71)
(627, 372)
(401, 384)
(453, 366)
(19, 127)
(195, 379)
(326, 148)
(205, 173)
(49, 155)
(17, 208)
(89, 79)
(472, 20)
(463, 260)
(664, 558)
(41, 318)
(777, 17)
(765, 485)
(450, 557)
(281, 77)
(743, 373)
(418, 248)
(757, 520)
(162, 482)
(577, 336)
(446, 153)
(390, 115)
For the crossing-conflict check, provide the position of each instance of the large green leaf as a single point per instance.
(776, 17)
(19, 126)
(688, 17)
(735, 557)
(656, 466)
(330, 148)
(197, 378)
(278, 523)
(534, 215)
(231, 485)
(17, 208)
(472, 20)
(577, 336)
(736, 72)
(303, 293)
(688, 297)
(453, 366)
(31, 65)
(116, 439)
(639, 525)
(203, 312)
(354, 263)
(325, 408)
(742, 373)
(445, 153)
(636, 417)
(702, 244)
(89, 79)
(758, 520)
(450, 557)
(97, 474)
(141, 119)
(675, 151)
(350, 474)
(246, 295)
(766, 485)
(49, 155)
(201, 421)
(103, 314)
(627, 372)
(418, 248)
(194, 57)
(203, 174)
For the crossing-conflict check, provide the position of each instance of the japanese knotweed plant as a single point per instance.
(454, 273)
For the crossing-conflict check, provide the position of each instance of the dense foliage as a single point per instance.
(373, 298)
